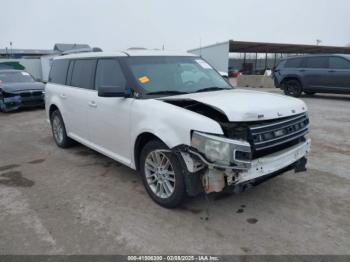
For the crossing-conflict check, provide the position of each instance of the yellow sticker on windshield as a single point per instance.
(144, 79)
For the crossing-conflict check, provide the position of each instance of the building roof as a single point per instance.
(261, 47)
(256, 47)
(25, 51)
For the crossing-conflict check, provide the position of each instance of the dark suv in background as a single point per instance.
(313, 73)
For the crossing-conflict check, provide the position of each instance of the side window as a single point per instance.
(293, 63)
(317, 62)
(109, 75)
(338, 63)
(58, 72)
(83, 73)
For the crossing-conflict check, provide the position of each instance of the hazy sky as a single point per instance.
(178, 24)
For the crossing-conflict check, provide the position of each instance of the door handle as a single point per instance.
(302, 70)
(331, 71)
(92, 104)
(63, 96)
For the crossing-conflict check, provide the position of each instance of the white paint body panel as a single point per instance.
(243, 105)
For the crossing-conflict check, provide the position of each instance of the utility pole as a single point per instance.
(11, 49)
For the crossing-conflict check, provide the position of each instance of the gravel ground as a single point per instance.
(76, 201)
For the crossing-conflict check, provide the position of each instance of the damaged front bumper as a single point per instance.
(12, 102)
(206, 177)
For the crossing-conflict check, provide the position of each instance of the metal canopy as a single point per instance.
(255, 47)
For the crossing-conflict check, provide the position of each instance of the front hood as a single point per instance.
(21, 87)
(244, 105)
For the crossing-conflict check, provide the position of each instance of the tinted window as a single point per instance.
(317, 62)
(58, 73)
(338, 63)
(109, 75)
(293, 63)
(83, 73)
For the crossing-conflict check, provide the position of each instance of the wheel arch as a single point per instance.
(141, 140)
(52, 108)
(292, 77)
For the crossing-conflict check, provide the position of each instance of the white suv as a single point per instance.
(173, 118)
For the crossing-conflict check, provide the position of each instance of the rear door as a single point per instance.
(316, 73)
(57, 85)
(339, 74)
(78, 95)
(109, 117)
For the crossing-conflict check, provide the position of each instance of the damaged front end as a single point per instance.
(9, 102)
(248, 154)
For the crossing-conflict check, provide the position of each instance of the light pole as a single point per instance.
(11, 49)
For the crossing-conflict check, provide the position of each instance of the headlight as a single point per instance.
(220, 150)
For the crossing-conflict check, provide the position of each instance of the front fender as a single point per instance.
(171, 124)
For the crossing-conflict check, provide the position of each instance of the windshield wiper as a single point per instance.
(167, 92)
(213, 88)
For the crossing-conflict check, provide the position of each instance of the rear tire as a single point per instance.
(59, 130)
(292, 87)
(162, 175)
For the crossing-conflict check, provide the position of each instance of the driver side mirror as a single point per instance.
(114, 91)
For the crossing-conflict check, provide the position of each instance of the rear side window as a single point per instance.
(83, 73)
(109, 75)
(58, 73)
(338, 63)
(317, 62)
(294, 63)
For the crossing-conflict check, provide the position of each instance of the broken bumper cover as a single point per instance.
(10, 103)
(275, 162)
(15, 102)
(211, 178)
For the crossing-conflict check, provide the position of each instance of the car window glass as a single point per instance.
(58, 71)
(317, 62)
(338, 63)
(15, 77)
(293, 63)
(109, 75)
(180, 74)
(83, 72)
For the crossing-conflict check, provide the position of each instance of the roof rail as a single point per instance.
(82, 50)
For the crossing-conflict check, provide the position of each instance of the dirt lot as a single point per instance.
(76, 201)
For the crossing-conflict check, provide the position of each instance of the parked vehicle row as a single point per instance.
(18, 89)
(173, 118)
(314, 74)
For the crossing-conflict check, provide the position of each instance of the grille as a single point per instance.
(278, 132)
(267, 137)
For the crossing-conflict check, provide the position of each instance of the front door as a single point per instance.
(109, 117)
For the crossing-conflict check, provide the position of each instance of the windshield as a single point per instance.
(175, 75)
(15, 77)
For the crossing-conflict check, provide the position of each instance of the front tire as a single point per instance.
(162, 175)
(59, 130)
(293, 88)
